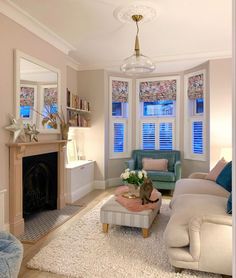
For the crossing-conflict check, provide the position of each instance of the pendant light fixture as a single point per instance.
(137, 63)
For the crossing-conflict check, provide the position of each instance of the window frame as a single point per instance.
(189, 119)
(160, 116)
(119, 119)
(175, 119)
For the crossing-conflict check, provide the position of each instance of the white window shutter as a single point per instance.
(197, 137)
(119, 132)
(166, 136)
(148, 136)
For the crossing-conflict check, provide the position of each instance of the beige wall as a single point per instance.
(220, 72)
(91, 86)
(72, 79)
(13, 36)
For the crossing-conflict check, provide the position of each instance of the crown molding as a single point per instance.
(161, 59)
(14, 12)
(74, 64)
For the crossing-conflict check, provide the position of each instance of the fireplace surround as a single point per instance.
(17, 152)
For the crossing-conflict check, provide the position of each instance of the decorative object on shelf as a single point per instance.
(64, 131)
(52, 117)
(32, 132)
(137, 63)
(17, 128)
(133, 179)
(78, 117)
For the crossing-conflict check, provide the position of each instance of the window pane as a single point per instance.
(25, 112)
(197, 135)
(116, 109)
(166, 136)
(199, 106)
(159, 108)
(118, 137)
(49, 109)
(148, 136)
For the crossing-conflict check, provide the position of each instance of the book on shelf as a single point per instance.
(68, 98)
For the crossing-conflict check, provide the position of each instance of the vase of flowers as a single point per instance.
(133, 179)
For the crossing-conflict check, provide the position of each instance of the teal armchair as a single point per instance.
(160, 179)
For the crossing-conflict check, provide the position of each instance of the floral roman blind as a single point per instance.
(120, 90)
(150, 91)
(195, 86)
(50, 96)
(26, 96)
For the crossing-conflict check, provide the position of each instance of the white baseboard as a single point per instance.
(78, 193)
(114, 182)
(99, 184)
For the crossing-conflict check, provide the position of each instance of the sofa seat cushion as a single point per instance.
(171, 156)
(198, 186)
(184, 208)
(161, 176)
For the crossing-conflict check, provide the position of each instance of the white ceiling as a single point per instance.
(189, 31)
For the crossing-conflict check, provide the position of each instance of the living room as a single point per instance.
(116, 116)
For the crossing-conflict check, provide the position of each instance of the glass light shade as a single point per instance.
(137, 64)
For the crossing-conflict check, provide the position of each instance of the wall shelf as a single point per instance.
(78, 118)
(77, 110)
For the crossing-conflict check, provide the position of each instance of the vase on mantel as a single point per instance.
(64, 131)
(134, 190)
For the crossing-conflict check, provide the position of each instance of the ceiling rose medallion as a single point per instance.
(135, 12)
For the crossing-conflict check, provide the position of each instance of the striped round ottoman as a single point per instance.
(114, 213)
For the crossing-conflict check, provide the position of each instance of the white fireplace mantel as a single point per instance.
(17, 152)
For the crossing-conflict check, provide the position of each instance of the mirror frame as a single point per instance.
(18, 55)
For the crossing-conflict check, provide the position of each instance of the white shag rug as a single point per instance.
(84, 251)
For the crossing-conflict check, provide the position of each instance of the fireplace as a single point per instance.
(39, 183)
(44, 180)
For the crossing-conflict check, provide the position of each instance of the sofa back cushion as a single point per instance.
(171, 156)
(150, 164)
(216, 170)
(225, 177)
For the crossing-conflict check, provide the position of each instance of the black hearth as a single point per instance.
(39, 183)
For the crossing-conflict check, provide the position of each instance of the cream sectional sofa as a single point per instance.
(199, 233)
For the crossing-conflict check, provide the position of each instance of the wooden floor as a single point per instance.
(89, 201)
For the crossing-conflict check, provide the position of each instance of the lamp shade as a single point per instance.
(137, 64)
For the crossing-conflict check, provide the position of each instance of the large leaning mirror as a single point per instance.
(37, 91)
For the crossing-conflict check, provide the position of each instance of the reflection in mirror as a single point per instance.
(37, 94)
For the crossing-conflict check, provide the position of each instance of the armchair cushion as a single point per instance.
(171, 156)
(150, 164)
(161, 176)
